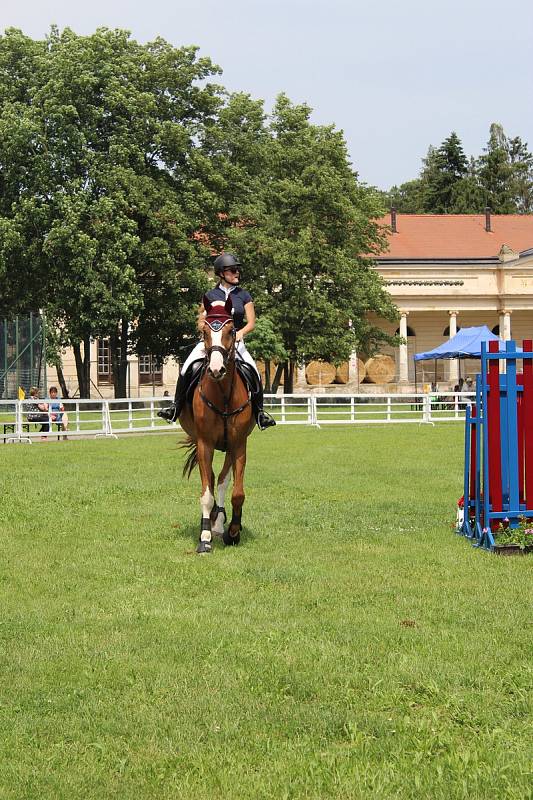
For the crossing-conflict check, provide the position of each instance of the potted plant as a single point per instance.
(514, 541)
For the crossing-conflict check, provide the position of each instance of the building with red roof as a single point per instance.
(447, 271)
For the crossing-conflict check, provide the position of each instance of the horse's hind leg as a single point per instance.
(218, 514)
(233, 533)
(205, 464)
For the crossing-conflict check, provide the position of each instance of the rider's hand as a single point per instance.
(239, 337)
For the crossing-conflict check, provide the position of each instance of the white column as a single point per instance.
(453, 373)
(404, 366)
(505, 324)
(353, 368)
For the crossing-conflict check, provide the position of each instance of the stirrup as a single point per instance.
(168, 414)
(264, 420)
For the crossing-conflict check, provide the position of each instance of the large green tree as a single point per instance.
(501, 178)
(104, 185)
(307, 236)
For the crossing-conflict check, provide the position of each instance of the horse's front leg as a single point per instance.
(218, 514)
(233, 533)
(205, 464)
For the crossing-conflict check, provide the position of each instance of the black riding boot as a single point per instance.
(263, 419)
(172, 413)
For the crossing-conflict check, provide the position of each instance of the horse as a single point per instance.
(220, 418)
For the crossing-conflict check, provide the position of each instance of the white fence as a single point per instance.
(109, 418)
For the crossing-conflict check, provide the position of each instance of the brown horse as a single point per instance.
(221, 418)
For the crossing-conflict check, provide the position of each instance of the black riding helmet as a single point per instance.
(226, 261)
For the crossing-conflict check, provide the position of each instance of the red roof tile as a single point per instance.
(457, 235)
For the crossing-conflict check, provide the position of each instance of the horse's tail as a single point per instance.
(192, 456)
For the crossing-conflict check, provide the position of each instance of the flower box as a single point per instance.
(508, 549)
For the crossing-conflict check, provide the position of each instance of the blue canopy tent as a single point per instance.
(465, 344)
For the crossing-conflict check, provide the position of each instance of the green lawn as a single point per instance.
(351, 647)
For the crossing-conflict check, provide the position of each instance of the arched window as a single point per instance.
(410, 331)
(446, 331)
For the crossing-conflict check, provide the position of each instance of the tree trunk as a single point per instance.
(289, 378)
(277, 378)
(87, 365)
(267, 387)
(61, 380)
(83, 366)
(119, 355)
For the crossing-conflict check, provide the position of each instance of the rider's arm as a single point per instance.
(250, 321)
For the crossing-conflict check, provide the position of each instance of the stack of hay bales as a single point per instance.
(322, 373)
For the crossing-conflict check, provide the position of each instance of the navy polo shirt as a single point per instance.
(239, 297)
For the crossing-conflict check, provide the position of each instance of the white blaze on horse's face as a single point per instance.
(216, 362)
(215, 339)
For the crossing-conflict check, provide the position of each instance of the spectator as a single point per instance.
(37, 411)
(56, 410)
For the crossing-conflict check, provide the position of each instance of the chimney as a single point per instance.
(487, 220)
(393, 220)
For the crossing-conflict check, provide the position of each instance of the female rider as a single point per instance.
(228, 269)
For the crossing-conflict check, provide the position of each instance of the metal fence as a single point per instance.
(22, 362)
(110, 418)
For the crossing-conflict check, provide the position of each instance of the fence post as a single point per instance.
(314, 411)
(388, 409)
(130, 414)
(106, 423)
(18, 432)
(282, 408)
(352, 409)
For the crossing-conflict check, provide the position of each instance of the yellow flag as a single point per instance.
(22, 393)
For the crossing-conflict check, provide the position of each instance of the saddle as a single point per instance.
(247, 373)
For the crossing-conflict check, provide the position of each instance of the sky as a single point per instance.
(394, 76)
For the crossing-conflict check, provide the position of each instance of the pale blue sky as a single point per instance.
(394, 76)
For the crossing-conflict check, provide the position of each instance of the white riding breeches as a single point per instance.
(199, 353)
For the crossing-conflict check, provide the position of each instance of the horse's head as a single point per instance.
(219, 336)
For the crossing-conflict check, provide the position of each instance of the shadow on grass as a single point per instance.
(189, 534)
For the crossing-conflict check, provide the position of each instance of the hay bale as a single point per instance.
(342, 374)
(320, 373)
(261, 369)
(380, 369)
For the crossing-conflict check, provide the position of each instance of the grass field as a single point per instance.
(351, 647)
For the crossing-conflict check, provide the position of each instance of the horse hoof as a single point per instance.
(230, 539)
(203, 548)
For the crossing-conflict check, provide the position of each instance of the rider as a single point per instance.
(228, 269)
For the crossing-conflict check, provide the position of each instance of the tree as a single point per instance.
(444, 168)
(105, 187)
(496, 173)
(522, 179)
(407, 198)
(266, 343)
(308, 239)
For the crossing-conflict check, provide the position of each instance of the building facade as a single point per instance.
(444, 272)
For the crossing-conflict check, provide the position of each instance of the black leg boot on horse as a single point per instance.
(263, 419)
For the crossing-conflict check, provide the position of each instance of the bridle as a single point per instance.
(227, 355)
